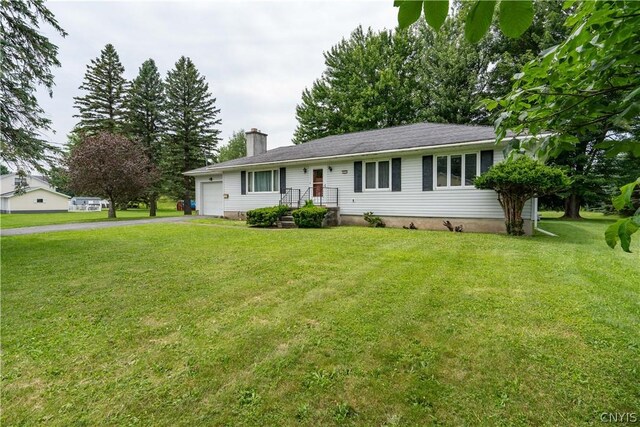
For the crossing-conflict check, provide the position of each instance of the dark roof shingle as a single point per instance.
(388, 139)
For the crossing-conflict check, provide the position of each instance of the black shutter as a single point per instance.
(243, 182)
(427, 173)
(283, 180)
(396, 174)
(486, 160)
(357, 177)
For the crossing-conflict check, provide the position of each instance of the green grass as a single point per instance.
(212, 323)
(35, 219)
(583, 214)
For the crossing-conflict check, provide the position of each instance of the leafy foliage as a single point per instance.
(588, 83)
(369, 83)
(265, 217)
(309, 216)
(110, 166)
(235, 148)
(624, 228)
(515, 16)
(373, 220)
(517, 181)
(145, 108)
(191, 134)
(27, 61)
(101, 108)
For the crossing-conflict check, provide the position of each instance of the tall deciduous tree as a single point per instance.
(369, 83)
(191, 133)
(110, 166)
(235, 148)
(101, 108)
(145, 107)
(589, 82)
(27, 59)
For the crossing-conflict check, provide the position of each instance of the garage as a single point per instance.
(212, 200)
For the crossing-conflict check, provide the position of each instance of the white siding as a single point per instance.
(411, 201)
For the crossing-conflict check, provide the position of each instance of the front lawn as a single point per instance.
(210, 324)
(16, 220)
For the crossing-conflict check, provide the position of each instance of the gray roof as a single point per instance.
(395, 138)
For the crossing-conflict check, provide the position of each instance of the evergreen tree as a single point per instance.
(191, 134)
(145, 104)
(101, 109)
(235, 148)
(369, 83)
(27, 58)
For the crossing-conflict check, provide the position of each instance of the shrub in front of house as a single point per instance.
(309, 216)
(373, 220)
(265, 217)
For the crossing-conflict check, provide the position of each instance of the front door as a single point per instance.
(317, 183)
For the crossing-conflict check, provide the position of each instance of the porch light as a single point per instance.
(304, 170)
(330, 169)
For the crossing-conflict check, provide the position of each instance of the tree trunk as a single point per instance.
(512, 208)
(112, 208)
(572, 207)
(187, 196)
(153, 205)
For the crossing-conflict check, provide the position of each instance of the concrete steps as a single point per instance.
(286, 221)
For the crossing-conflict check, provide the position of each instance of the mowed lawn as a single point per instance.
(211, 323)
(16, 220)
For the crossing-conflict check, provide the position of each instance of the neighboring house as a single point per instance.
(84, 204)
(421, 173)
(38, 197)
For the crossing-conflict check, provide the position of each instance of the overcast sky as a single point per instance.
(257, 56)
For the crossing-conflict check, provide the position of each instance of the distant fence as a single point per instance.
(85, 208)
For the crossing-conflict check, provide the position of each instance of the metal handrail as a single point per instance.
(291, 198)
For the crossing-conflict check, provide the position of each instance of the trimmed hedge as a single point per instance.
(265, 217)
(309, 216)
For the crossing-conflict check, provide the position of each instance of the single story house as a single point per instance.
(39, 195)
(421, 173)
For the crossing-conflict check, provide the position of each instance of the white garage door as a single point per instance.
(212, 199)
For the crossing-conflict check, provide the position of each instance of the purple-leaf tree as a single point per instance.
(110, 166)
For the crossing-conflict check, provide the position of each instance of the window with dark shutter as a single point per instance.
(427, 173)
(283, 180)
(243, 182)
(486, 160)
(357, 177)
(396, 174)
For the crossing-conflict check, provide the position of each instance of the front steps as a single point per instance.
(286, 221)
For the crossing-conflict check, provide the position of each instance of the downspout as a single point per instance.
(534, 206)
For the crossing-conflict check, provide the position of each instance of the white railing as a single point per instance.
(85, 208)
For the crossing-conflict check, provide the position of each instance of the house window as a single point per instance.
(39, 200)
(263, 181)
(20, 181)
(377, 175)
(458, 170)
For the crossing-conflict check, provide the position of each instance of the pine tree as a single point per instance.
(191, 136)
(101, 109)
(145, 104)
(27, 58)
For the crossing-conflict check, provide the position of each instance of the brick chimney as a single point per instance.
(256, 142)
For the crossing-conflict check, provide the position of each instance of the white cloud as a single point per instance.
(257, 56)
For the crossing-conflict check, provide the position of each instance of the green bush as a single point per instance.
(517, 181)
(374, 221)
(265, 217)
(309, 216)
